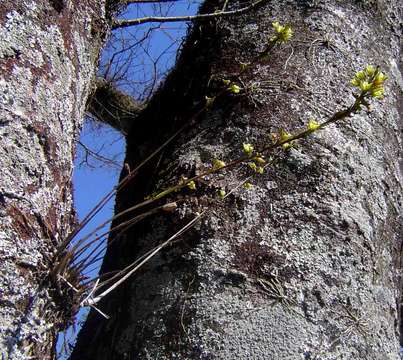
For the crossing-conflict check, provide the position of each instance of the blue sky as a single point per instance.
(144, 66)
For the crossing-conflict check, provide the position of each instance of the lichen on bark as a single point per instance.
(48, 57)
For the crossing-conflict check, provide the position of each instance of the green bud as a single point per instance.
(365, 86)
(235, 89)
(221, 193)
(191, 185)
(313, 125)
(252, 165)
(247, 186)
(247, 149)
(218, 164)
(370, 70)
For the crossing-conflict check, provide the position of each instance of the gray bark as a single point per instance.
(48, 57)
(305, 265)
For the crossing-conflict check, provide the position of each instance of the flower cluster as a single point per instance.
(257, 163)
(218, 164)
(234, 89)
(257, 160)
(283, 138)
(247, 149)
(190, 184)
(283, 32)
(231, 87)
(370, 81)
(221, 193)
(256, 168)
(313, 125)
(247, 186)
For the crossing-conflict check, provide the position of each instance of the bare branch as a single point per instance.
(132, 22)
(89, 300)
(129, 2)
(98, 156)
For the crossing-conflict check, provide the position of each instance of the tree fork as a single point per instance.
(113, 107)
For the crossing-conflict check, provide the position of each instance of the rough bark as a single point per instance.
(303, 266)
(48, 57)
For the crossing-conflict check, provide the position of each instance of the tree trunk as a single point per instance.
(305, 264)
(48, 57)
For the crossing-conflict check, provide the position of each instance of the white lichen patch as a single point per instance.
(43, 91)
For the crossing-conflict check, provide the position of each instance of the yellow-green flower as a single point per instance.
(370, 81)
(284, 32)
(284, 136)
(279, 28)
(287, 33)
(247, 186)
(313, 125)
(260, 170)
(370, 70)
(221, 193)
(260, 160)
(191, 185)
(377, 92)
(252, 165)
(247, 149)
(355, 82)
(360, 75)
(218, 164)
(380, 78)
(365, 85)
(235, 89)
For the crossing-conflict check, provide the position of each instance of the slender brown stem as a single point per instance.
(116, 24)
(129, 270)
(302, 134)
(90, 258)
